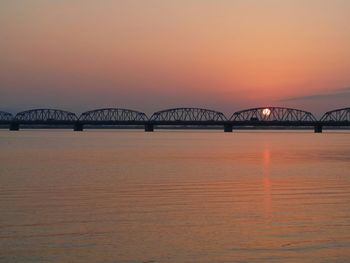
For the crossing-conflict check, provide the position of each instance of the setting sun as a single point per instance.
(266, 112)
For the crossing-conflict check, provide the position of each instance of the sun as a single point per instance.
(266, 112)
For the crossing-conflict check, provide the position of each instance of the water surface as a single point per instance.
(174, 196)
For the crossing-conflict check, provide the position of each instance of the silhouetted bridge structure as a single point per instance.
(263, 117)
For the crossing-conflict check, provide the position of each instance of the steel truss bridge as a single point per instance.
(263, 117)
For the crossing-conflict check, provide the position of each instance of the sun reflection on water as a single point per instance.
(266, 166)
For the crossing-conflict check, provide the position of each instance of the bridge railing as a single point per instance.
(45, 116)
(112, 115)
(5, 116)
(338, 115)
(273, 114)
(190, 115)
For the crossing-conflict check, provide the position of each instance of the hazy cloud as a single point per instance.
(338, 93)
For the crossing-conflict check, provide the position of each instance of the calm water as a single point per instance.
(174, 196)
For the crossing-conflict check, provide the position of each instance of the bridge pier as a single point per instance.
(14, 126)
(78, 126)
(318, 128)
(149, 127)
(228, 128)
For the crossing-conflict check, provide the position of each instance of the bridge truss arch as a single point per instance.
(273, 114)
(5, 116)
(188, 115)
(338, 115)
(45, 115)
(113, 115)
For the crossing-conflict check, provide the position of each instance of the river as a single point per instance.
(174, 196)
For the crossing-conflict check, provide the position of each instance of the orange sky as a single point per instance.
(151, 55)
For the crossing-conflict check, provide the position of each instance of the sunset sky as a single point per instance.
(150, 55)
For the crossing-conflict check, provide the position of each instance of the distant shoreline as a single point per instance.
(88, 127)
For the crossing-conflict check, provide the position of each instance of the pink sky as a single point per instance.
(151, 55)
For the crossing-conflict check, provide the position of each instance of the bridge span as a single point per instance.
(257, 118)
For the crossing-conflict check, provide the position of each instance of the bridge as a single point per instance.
(46, 117)
(273, 117)
(187, 117)
(111, 117)
(5, 117)
(262, 117)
